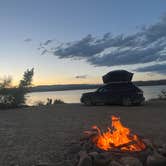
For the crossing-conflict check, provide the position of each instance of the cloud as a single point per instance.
(47, 42)
(145, 46)
(44, 51)
(27, 40)
(157, 68)
(89, 46)
(81, 77)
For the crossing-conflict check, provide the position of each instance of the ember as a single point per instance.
(117, 137)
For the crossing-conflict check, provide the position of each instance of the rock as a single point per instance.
(85, 161)
(156, 160)
(148, 143)
(99, 159)
(82, 154)
(162, 150)
(114, 163)
(93, 154)
(130, 161)
(87, 146)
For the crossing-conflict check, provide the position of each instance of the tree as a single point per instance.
(16, 96)
(6, 83)
(26, 82)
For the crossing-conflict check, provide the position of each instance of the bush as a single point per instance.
(52, 102)
(58, 101)
(162, 95)
(11, 97)
(49, 102)
(39, 103)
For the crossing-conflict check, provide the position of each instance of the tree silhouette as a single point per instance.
(16, 96)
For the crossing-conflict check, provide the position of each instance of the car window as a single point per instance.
(120, 87)
(103, 89)
(100, 90)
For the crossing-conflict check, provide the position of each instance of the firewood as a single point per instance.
(88, 135)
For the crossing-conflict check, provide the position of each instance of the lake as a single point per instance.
(73, 96)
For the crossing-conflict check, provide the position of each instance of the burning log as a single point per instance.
(124, 145)
(88, 134)
(118, 137)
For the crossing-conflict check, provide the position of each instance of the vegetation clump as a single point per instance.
(162, 95)
(12, 97)
(52, 102)
(49, 102)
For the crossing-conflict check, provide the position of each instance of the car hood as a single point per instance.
(88, 93)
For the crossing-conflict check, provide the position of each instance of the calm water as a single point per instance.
(73, 96)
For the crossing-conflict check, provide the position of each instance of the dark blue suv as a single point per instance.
(122, 93)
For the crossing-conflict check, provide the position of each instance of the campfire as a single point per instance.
(117, 146)
(116, 137)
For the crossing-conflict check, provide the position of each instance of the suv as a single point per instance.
(115, 93)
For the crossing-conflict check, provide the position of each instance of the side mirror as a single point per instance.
(99, 91)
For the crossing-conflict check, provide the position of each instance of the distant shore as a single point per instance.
(46, 88)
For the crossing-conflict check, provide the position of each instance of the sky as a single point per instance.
(78, 41)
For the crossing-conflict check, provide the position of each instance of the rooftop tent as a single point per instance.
(118, 76)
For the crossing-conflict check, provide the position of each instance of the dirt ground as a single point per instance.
(44, 134)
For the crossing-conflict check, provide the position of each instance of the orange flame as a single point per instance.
(117, 137)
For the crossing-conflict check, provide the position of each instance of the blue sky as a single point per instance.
(65, 21)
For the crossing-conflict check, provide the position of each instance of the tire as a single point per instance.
(126, 101)
(87, 102)
(140, 103)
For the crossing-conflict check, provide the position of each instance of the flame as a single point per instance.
(117, 136)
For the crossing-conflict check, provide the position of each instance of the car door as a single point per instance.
(102, 95)
(114, 93)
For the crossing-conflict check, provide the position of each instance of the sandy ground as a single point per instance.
(44, 134)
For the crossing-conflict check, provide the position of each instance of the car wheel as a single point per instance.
(87, 102)
(126, 102)
(139, 103)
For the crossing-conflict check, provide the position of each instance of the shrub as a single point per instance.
(39, 103)
(162, 95)
(49, 102)
(58, 101)
(11, 97)
(52, 102)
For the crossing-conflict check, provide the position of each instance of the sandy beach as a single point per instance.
(44, 134)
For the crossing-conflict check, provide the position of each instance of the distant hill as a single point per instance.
(45, 88)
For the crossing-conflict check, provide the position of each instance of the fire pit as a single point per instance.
(117, 137)
(118, 146)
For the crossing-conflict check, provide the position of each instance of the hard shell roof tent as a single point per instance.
(117, 76)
